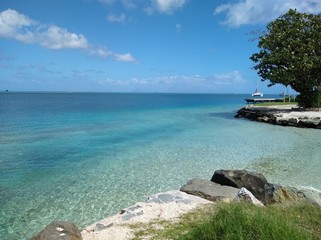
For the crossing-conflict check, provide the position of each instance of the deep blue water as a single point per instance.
(83, 156)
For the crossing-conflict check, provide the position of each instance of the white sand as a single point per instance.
(162, 206)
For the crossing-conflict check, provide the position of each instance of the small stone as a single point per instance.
(245, 195)
(100, 226)
(60, 231)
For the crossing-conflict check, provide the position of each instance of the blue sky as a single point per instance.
(177, 46)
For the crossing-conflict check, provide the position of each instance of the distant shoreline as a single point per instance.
(133, 92)
(284, 115)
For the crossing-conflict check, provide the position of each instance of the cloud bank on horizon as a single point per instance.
(106, 68)
(176, 83)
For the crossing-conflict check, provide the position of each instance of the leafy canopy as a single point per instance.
(290, 53)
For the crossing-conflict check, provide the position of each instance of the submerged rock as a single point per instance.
(252, 181)
(59, 231)
(209, 190)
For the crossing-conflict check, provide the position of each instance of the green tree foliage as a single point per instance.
(290, 54)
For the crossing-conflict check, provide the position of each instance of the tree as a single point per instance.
(290, 54)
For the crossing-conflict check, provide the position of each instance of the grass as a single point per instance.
(275, 103)
(238, 221)
(161, 229)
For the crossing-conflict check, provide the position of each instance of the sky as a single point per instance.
(175, 46)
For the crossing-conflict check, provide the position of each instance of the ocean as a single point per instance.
(81, 157)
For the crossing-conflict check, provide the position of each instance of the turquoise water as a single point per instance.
(82, 157)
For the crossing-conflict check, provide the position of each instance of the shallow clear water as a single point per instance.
(82, 157)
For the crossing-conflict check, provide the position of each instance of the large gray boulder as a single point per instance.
(59, 231)
(209, 190)
(252, 181)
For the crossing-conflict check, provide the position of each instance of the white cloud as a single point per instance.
(116, 18)
(130, 4)
(20, 27)
(14, 25)
(105, 53)
(262, 11)
(230, 78)
(109, 2)
(11, 22)
(178, 27)
(127, 57)
(164, 6)
(58, 38)
(150, 6)
(156, 84)
(100, 52)
(227, 82)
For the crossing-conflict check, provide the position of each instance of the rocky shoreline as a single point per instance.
(225, 185)
(285, 115)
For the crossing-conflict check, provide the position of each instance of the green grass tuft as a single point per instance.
(268, 104)
(238, 221)
(246, 222)
(161, 229)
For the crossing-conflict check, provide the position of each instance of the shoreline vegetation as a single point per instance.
(220, 208)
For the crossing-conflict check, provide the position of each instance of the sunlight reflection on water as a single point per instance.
(91, 165)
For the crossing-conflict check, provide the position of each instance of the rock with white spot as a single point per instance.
(245, 195)
(59, 231)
